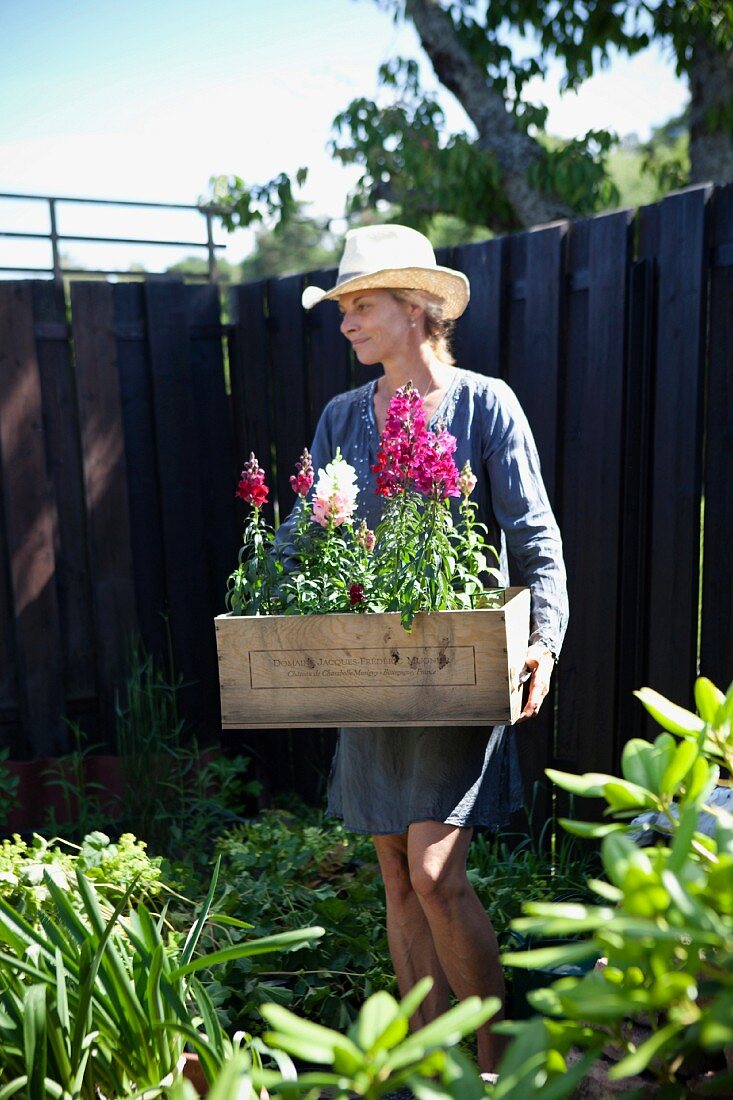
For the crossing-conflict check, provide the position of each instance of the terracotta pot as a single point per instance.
(193, 1072)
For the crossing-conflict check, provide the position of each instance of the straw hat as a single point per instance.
(393, 257)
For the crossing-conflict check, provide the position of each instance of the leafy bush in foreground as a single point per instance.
(665, 924)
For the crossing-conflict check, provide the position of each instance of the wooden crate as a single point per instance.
(455, 668)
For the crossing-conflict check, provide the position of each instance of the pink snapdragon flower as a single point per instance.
(405, 435)
(302, 480)
(252, 488)
(411, 454)
(335, 493)
(435, 473)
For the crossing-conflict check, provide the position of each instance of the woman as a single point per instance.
(421, 791)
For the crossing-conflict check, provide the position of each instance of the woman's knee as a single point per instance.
(436, 882)
(437, 856)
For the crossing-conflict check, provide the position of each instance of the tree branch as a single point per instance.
(498, 133)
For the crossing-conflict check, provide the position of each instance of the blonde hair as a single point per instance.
(438, 328)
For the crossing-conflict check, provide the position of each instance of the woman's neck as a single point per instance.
(423, 369)
(429, 375)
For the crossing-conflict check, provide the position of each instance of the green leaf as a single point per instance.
(377, 1017)
(709, 701)
(195, 932)
(280, 941)
(639, 1060)
(716, 1024)
(412, 1001)
(643, 763)
(678, 767)
(590, 829)
(622, 795)
(619, 853)
(447, 1030)
(544, 958)
(593, 999)
(669, 716)
(230, 1083)
(701, 780)
(34, 1041)
(313, 1042)
(591, 785)
(682, 843)
(15, 1086)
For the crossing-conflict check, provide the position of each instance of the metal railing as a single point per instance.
(58, 270)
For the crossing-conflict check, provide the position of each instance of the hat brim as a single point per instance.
(452, 287)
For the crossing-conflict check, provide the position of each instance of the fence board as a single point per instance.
(479, 338)
(61, 434)
(29, 514)
(105, 485)
(179, 472)
(633, 624)
(331, 368)
(288, 754)
(136, 396)
(250, 383)
(554, 330)
(592, 469)
(716, 658)
(676, 474)
(534, 298)
(216, 449)
(290, 397)
(572, 408)
(8, 665)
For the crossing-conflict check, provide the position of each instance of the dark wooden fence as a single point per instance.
(126, 413)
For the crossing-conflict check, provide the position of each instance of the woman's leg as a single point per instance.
(462, 934)
(408, 933)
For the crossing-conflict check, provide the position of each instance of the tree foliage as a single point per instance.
(508, 172)
(297, 243)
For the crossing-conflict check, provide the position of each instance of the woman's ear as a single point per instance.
(414, 313)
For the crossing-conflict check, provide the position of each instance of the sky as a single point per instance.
(146, 99)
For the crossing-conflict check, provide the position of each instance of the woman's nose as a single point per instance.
(347, 323)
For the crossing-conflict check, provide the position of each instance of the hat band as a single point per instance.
(349, 275)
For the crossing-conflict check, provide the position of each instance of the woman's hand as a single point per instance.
(538, 667)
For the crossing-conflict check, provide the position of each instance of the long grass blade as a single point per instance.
(34, 1041)
(194, 935)
(280, 941)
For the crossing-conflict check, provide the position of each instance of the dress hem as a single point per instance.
(447, 821)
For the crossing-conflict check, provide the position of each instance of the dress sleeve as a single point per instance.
(523, 512)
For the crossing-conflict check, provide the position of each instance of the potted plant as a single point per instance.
(334, 606)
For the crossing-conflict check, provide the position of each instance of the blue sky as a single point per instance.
(146, 99)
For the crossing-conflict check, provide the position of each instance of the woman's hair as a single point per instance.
(438, 329)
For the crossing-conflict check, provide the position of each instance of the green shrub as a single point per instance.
(285, 869)
(90, 1005)
(113, 868)
(665, 922)
(281, 871)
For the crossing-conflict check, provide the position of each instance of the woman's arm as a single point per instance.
(523, 511)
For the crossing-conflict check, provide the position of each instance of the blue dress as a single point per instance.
(385, 778)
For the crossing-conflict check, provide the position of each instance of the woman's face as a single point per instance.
(376, 325)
